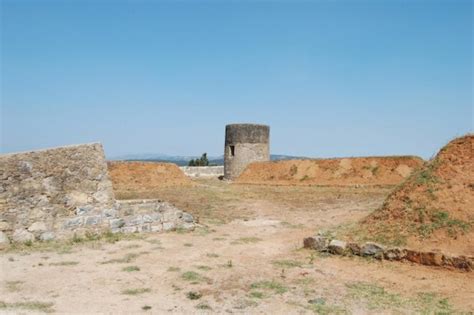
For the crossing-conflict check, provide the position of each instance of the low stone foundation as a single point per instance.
(60, 192)
(369, 249)
(203, 171)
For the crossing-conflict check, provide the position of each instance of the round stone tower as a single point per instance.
(244, 144)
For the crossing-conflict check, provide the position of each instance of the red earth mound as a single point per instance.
(337, 172)
(145, 176)
(434, 208)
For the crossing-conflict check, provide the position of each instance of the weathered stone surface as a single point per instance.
(354, 249)
(187, 218)
(93, 220)
(84, 210)
(47, 236)
(129, 229)
(110, 213)
(44, 185)
(22, 236)
(337, 247)
(4, 241)
(157, 228)
(116, 223)
(371, 249)
(37, 227)
(316, 242)
(4, 226)
(73, 222)
(169, 226)
(395, 254)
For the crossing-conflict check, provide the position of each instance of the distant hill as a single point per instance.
(184, 160)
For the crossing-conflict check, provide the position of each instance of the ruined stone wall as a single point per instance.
(203, 171)
(245, 144)
(56, 193)
(39, 189)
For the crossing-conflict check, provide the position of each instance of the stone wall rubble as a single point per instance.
(377, 251)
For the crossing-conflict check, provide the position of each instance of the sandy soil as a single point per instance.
(390, 170)
(247, 258)
(144, 176)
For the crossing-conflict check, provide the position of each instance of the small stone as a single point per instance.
(109, 213)
(138, 220)
(156, 217)
(147, 218)
(129, 229)
(432, 259)
(116, 223)
(84, 210)
(354, 248)
(371, 249)
(157, 228)
(337, 247)
(22, 236)
(74, 222)
(317, 242)
(47, 236)
(38, 227)
(4, 241)
(394, 254)
(187, 218)
(169, 226)
(93, 220)
(4, 226)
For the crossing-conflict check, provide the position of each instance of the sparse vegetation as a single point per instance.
(270, 285)
(174, 269)
(193, 295)
(203, 306)
(247, 240)
(64, 263)
(13, 286)
(136, 291)
(131, 268)
(194, 277)
(287, 263)
(125, 259)
(377, 297)
(34, 306)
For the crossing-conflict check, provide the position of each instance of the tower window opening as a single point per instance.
(232, 150)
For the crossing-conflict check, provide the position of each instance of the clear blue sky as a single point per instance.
(331, 78)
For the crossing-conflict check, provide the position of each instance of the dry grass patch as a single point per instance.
(34, 306)
(136, 291)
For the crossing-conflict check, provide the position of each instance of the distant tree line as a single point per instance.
(203, 161)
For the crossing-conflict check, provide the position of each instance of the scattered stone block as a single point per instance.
(317, 242)
(116, 223)
(371, 249)
(38, 227)
(47, 236)
(4, 240)
(337, 247)
(22, 236)
(354, 249)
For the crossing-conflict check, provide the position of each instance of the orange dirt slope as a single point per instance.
(145, 176)
(434, 208)
(332, 172)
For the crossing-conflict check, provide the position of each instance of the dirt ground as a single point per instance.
(246, 258)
